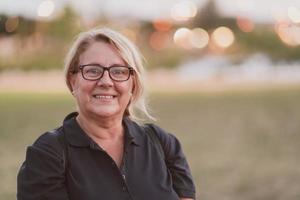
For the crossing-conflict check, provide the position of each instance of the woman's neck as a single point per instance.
(101, 129)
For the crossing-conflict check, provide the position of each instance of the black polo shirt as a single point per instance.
(91, 174)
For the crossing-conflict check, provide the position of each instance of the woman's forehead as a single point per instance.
(101, 52)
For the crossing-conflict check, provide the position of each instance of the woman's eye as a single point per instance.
(93, 71)
(118, 72)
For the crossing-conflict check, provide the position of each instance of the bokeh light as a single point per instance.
(294, 14)
(245, 24)
(199, 38)
(46, 8)
(184, 10)
(182, 38)
(223, 37)
(11, 24)
(288, 33)
(196, 38)
(162, 25)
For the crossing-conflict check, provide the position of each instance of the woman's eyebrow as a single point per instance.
(112, 65)
(92, 63)
(118, 65)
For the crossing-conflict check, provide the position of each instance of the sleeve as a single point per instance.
(177, 164)
(41, 176)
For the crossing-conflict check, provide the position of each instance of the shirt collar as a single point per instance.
(77, 137)
(74, 133)
(133, 131)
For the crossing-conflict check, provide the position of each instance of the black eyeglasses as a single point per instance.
(95, 72)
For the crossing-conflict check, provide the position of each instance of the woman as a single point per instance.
(101, 152)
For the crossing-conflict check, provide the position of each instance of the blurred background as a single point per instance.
(223, 76)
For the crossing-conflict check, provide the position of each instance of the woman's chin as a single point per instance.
(105, 112)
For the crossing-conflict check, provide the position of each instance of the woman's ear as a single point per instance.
(134, 82)
(72, 80)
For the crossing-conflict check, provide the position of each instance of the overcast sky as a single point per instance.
(258, 10)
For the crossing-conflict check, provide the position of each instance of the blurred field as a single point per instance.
(240, 145)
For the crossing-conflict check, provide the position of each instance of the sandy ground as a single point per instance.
(161, 81)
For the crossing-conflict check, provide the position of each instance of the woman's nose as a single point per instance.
(105, 79)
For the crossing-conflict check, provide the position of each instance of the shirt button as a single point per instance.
(124, 188)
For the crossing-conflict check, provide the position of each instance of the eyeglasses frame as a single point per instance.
(131, 72)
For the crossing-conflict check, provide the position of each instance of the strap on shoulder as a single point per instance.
(62, 140)
(150, 130)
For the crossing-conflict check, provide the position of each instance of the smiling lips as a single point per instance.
(104, 96)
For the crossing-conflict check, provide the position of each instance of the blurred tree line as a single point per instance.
(37, 44)
(262, 39)
(43, 44)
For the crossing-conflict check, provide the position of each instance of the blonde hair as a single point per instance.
(127, 50)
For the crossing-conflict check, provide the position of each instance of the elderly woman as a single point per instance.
(100, 151)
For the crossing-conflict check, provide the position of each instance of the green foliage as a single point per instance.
(25, 26)
(42, 61)
(56, 35)
(49, 57)
(165, 58)
(266, 40)
(262, 39)
(3, 19)
(64, 27)
(209, 17)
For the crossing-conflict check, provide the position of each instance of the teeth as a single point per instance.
(103, 97)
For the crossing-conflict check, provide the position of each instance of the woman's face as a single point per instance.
(104, 97)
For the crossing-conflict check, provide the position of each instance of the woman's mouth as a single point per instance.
(106, 97)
